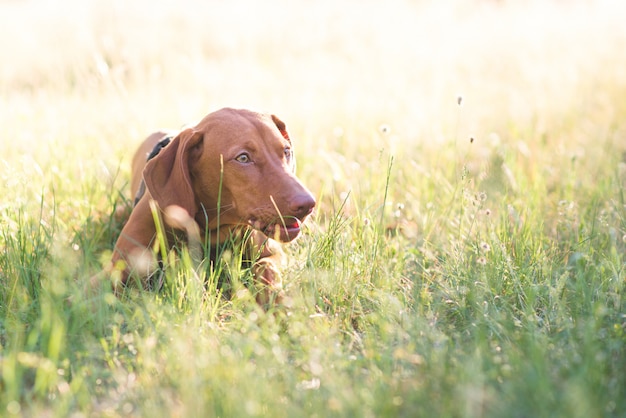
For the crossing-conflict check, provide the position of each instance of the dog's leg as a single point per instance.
(265, 269)
(133, 254)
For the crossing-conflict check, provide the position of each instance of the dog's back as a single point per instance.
(140, 158)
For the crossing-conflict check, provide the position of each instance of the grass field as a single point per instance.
(467, 257)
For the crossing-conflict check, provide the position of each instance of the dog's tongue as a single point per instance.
(294, 224)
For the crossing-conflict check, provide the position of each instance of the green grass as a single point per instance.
(440, 276)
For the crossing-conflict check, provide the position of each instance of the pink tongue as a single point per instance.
(295, 224)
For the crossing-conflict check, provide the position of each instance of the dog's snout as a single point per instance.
(302, 205)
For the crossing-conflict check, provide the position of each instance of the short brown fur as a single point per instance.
(250, 155)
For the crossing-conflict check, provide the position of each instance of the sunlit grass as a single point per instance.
(466, 257)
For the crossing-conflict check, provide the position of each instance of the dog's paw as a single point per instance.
(265, 272)
(267, 283)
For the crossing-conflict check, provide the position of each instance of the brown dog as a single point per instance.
(233, 174)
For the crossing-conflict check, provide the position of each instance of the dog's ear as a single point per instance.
(167, 175)
(282, 128)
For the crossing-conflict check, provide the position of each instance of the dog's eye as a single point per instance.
(288, 153)
(243, 158)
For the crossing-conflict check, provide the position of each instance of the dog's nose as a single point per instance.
(302, 205)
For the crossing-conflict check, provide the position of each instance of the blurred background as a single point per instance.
(323, 63)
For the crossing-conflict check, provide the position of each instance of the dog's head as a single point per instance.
(236, 167)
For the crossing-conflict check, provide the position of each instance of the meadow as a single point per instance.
(467, 255)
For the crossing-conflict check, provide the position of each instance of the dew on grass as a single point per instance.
(14, 408)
